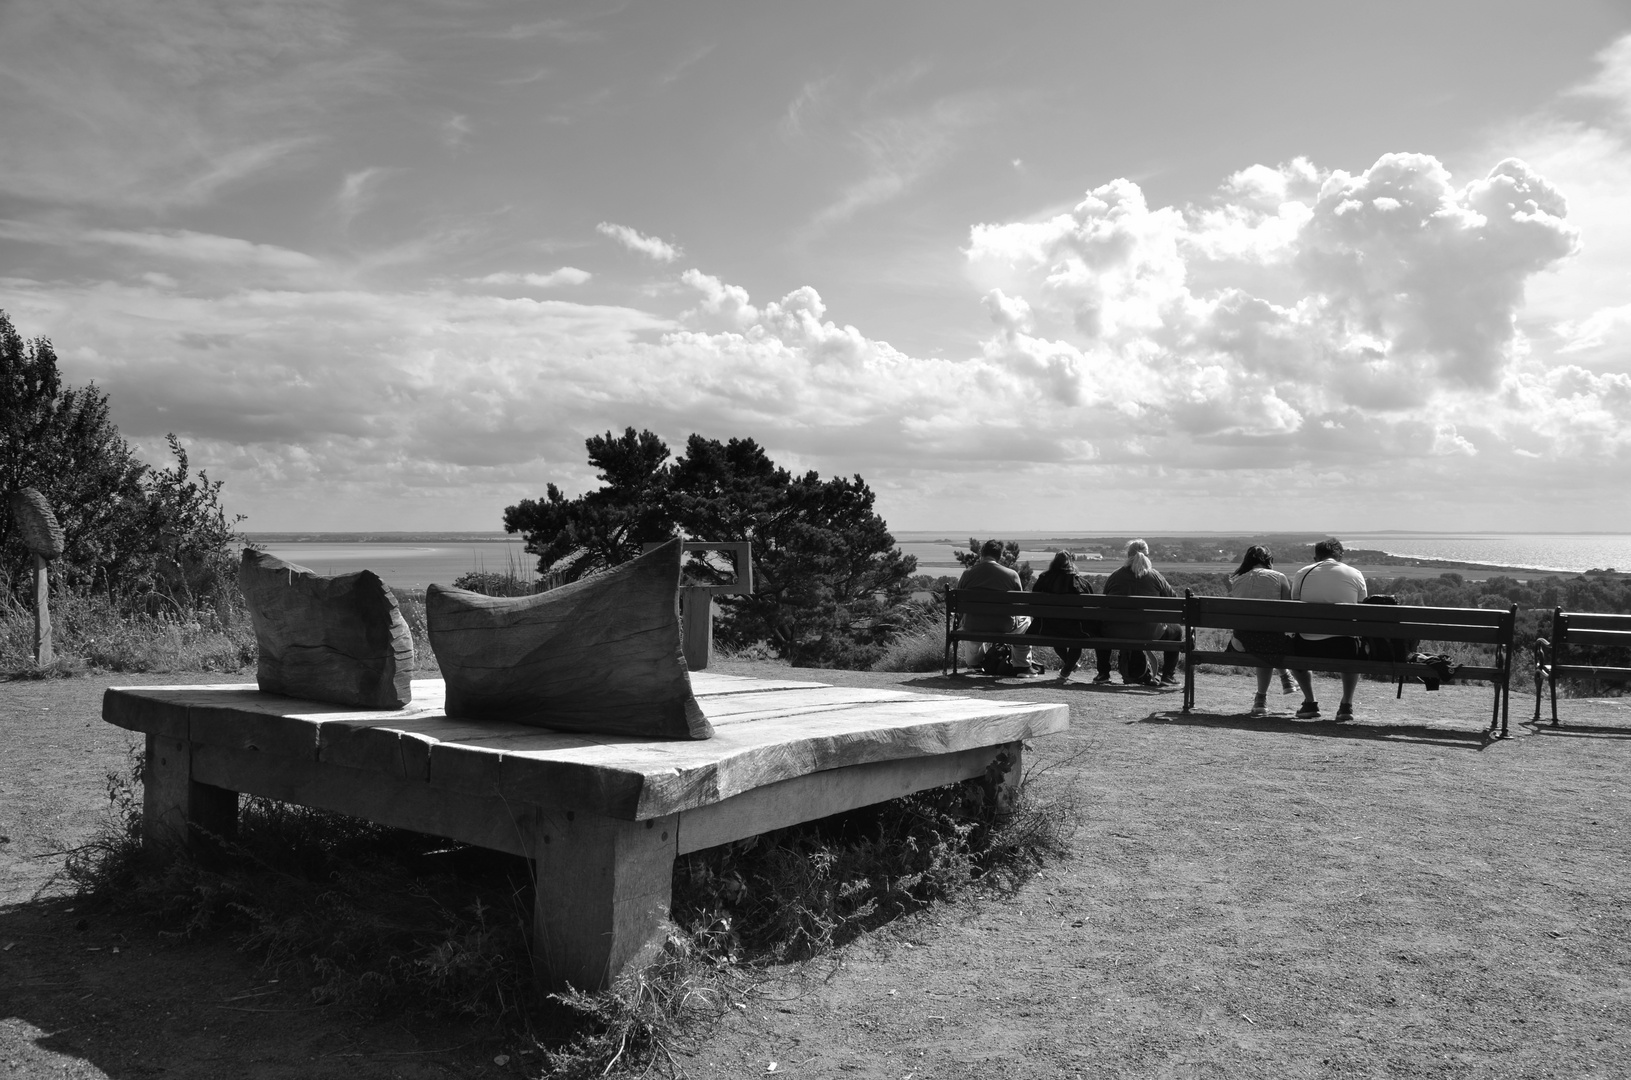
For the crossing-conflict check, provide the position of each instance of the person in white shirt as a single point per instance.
(1327, 580)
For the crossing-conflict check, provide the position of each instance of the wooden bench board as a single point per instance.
(767, 731)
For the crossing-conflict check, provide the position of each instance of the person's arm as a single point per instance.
(1285, 587)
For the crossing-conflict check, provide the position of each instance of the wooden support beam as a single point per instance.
(603, 892)
(178, 812)
(697, 623)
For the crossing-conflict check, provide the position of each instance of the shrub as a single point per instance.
(91, 630)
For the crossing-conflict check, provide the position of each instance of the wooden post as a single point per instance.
(697, 625)
(178, 813)
(603, 892)
(43, 653)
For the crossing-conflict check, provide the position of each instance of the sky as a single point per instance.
(1039, 266)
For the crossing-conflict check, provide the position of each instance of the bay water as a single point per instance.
(414, 563)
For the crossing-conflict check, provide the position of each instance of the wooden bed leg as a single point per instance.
(603, 892)
(178, 813)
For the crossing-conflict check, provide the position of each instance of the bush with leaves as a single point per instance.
(152, 538)
(828, 578)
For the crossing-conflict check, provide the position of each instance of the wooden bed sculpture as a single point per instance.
(602, 655)
(336, 639)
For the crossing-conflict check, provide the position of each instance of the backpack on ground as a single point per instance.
(999, 661)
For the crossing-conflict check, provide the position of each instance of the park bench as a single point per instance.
(1128, 614)
(602, 817)
(1565, 654)
(1473, 626)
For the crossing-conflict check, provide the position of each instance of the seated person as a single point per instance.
(1256, 579)
(1061, 579)
(1328, 580)
(989, 573)
(1139, 578)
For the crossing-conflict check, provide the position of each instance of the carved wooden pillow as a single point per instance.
(601, 655)
(339, 639)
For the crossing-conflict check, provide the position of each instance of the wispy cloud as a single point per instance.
(169, 101)
(180, 245)
(566, 275)
(649, 246)
(899, 149)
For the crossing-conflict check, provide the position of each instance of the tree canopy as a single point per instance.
(127, 528)
(826, 570)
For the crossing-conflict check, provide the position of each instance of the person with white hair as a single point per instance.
(1138, 577)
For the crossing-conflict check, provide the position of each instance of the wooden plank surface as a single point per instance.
(770, 730)
(819, 795)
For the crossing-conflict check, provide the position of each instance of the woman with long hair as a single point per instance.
(1138, 577)
(1256, 579)
(1061, 579)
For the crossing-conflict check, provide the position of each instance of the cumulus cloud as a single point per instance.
(566, 275)
(1295, 293)
(649, 246)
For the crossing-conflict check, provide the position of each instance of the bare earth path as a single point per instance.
(1244, 898)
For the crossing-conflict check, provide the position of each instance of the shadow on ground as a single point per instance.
(1459, 738)
(85, 993)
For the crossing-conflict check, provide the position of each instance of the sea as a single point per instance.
(412, 561)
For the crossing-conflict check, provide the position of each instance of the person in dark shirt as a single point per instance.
(989, 573)
(1139, 578)
(1061, 579)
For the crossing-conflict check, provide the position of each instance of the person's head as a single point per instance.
(1061, 561)
(1257, 555)
(1138, 557)
(991, 549)
(1330, 548)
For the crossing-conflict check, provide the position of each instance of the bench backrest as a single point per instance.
(1486, 626)
(1093, 607)
(1590, 628)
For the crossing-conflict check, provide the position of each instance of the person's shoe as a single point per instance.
(1309, 711)
(1260, 704)
(1101, 677)
(1150, 680)
(1345, 712)
(1287, 686)
(1169, 680)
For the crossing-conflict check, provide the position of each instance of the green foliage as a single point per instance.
(91, 630)
(154, 538)
(828, 579)
(1010, 558)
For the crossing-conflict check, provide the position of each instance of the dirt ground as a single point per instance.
(1244, 898)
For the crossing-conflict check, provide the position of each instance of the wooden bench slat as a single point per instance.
(1590, 620)
(1591, 671)
(1206, 607)
(1473, 635)
(1293, 662)
(1611, 638)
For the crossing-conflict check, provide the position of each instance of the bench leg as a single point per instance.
(603, 888)
(178, 813)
